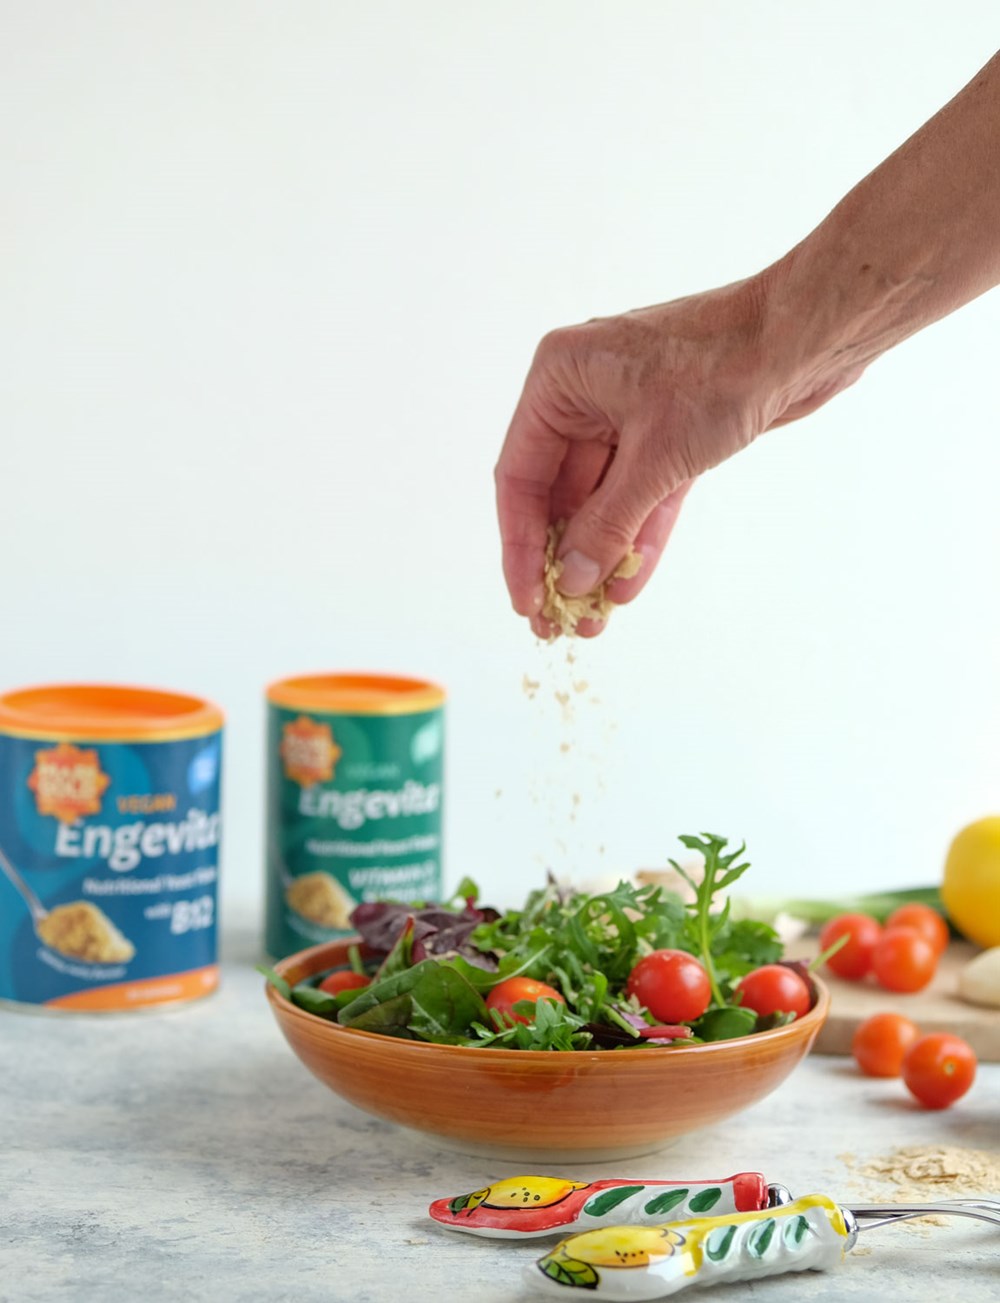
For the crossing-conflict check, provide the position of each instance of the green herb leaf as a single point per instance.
(276, 980)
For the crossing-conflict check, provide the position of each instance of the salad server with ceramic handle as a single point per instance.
(520, 1207)
(653, 1262)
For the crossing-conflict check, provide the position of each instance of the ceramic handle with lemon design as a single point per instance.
(652, 1262)
(522, 1206)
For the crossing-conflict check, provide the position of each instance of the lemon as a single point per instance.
(970, 891)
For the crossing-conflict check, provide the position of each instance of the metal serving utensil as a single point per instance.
(653, 1262)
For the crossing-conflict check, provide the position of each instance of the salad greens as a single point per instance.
(433, 967)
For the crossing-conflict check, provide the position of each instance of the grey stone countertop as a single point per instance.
(188, 1155)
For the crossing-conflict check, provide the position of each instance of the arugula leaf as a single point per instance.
(554, 1027)
(721, 871)
(741, 946)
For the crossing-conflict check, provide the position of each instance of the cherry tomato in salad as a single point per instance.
(854, 959)
(501, 1000)
(344, 980)
(880, 1044)
(671, 984)
(939, 1069)
(903, 960)
(774, 989)
(925, 920)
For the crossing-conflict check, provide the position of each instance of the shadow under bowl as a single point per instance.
(586, 1106)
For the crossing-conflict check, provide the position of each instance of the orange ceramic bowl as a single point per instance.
(538, 1104)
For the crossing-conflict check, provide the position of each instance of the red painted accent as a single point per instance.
(750, 1191)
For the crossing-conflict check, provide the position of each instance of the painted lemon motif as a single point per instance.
(622, 1246)
(970, 890)
(530, 1192)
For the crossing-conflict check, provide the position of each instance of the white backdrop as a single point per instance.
(271, 277)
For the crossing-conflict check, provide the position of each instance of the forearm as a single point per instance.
(917, 238)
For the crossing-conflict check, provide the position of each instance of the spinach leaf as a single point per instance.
(444, 1006)
(725, 1023)
(390, 1017)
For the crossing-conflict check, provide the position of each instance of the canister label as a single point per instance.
(354, 814)
(108, 871)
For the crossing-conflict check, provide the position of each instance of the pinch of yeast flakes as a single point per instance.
(567, 612)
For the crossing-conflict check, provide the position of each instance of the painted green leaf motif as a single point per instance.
(569, 1271)
(603, 1203)
(470, 1201)
(705, 1199)
(664, 1202)
(719, 1242)
(796, 1231)
(760, 1238)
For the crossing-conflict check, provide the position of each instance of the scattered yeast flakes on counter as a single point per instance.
(567, 612)
(925, 1173)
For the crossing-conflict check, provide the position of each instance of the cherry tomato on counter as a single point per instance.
(939, 1069)
(925, 920)
(880, 1044)
(344, 980)
(671, 984)
(854, 959)
(774, 989)
(512, 990)
(903, 960)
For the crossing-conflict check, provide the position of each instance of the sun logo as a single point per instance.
(68, 782)
(308, 751)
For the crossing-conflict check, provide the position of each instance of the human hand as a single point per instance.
(619, 416)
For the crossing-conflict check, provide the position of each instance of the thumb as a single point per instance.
(603, 530)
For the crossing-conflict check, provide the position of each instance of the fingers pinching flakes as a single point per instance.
(565, 613)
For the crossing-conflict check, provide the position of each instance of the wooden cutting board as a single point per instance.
(937, 1008)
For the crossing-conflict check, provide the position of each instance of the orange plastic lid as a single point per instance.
(356, 694)
(92, 711)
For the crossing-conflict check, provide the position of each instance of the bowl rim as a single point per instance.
(816, 1016)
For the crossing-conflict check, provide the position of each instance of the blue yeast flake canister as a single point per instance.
(109, 845)
(354, 800)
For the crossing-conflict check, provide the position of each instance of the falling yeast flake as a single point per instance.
(530, 687)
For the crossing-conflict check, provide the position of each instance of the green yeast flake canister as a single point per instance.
(355, 769)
